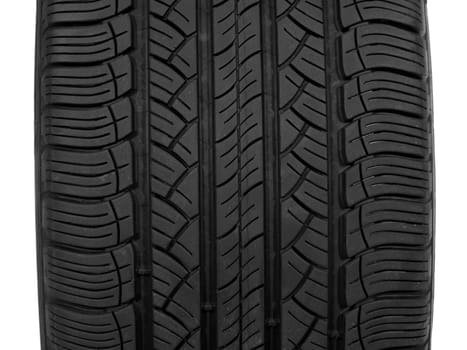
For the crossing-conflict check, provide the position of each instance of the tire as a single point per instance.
(234, 174)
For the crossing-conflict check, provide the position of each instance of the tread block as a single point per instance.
(172, 230)
(179, 13)
(298, 175)
(386, 134)
(99, 280)
(301, 172)
(381, 46)
(90, 225)
(167, 85)
(168, 44)
(301, 226)
(88, 128)
(91, 174)
(167, 126)
(305, 55)
(386, 271)
(63, 11)
(88, 44)
(78, 86)
(303, 330)
(389, 222)
(387, 176)
(294, 129)
(304, 233)
(306, 100)
(308, 15)
(384, 92)
(70, 330)
(173, 180)
(389, 324)
(170, 333)
(410, 13)
(170, 276)
(172, 91)
(175, 286)
(305, 283)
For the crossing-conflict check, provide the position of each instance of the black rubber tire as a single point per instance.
(234, 174)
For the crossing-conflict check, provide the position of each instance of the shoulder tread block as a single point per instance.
(89, 156)
(385, 263)
(93, 280)
(381, 46)
(63, 11)
(73, 330)
(409, 13)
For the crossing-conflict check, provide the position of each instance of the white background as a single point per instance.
(19, 329)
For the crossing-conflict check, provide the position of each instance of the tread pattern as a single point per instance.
(304, 169)
(234, 174)
(239, 173)
(89, 213)
(174, 174)
(386, 167)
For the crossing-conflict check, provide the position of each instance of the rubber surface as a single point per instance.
(234, 174)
